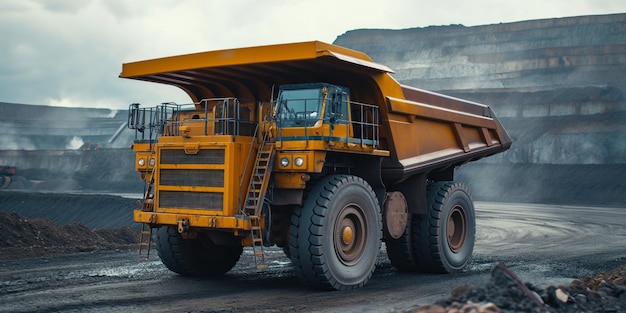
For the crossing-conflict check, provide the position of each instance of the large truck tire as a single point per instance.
(401, 251)
(195, 257)
(335, 236)
(444, 237)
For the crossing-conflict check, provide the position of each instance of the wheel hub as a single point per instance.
(347, 235)
(350, 235)
(456, 229)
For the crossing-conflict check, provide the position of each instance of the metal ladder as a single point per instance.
(255, 196)
(145, 241)
(147, 205)
(155, 121)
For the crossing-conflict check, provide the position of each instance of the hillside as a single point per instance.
(40, 127)
(557, 85)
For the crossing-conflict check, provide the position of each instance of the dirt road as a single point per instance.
(544, 245)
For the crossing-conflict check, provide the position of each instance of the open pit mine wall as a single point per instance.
(557, 85)
(39, 127)
(68, 149)
(101, 170)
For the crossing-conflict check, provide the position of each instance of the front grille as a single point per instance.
(191, 177)
(191, 200)
(196, 178)
(204, 156)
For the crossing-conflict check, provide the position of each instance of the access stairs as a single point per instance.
(145, 235)
(255, 197)
(147, 205)
(145, 241)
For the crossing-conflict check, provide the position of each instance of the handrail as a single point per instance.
(227, 114)
(154, 120)
(365, 121)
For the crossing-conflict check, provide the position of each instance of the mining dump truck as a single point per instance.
(313, 148)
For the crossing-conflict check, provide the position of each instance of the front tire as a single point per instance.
(335, 236)
(195, 257)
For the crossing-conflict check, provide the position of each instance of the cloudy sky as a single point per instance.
(70, 52)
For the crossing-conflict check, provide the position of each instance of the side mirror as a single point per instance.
(135, 120)
(336, 103)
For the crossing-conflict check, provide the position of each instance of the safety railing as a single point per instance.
(365, 124)
(226, 116)
(149, 123)
(216, 116)
(364, 119)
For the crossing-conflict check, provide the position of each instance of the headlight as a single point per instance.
(141, 162)
(298, 161)
(284, 162)
(152, 161)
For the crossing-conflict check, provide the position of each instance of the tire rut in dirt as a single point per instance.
(5, 181)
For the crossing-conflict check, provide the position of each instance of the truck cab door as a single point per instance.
(337, 110)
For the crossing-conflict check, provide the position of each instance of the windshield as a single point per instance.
(299, 107)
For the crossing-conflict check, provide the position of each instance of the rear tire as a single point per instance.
(335, 236)
(195, 257)
(444, 237)
(401, 251)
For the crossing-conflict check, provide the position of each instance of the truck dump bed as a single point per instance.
(423, 131)
(434, 132)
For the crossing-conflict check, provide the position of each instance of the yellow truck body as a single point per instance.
(312, 147)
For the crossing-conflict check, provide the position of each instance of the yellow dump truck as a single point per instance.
(310, 147)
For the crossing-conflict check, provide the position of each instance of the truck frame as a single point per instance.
(311, 147)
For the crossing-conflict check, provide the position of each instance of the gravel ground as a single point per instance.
(23, 237)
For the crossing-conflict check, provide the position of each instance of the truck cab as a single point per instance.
(322, 112)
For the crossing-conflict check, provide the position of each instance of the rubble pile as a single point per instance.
(506, 293)
(25, 237)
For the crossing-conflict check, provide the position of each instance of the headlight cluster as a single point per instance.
(141, 162)
(297, 161)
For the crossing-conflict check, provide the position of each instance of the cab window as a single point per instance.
(299, 107)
